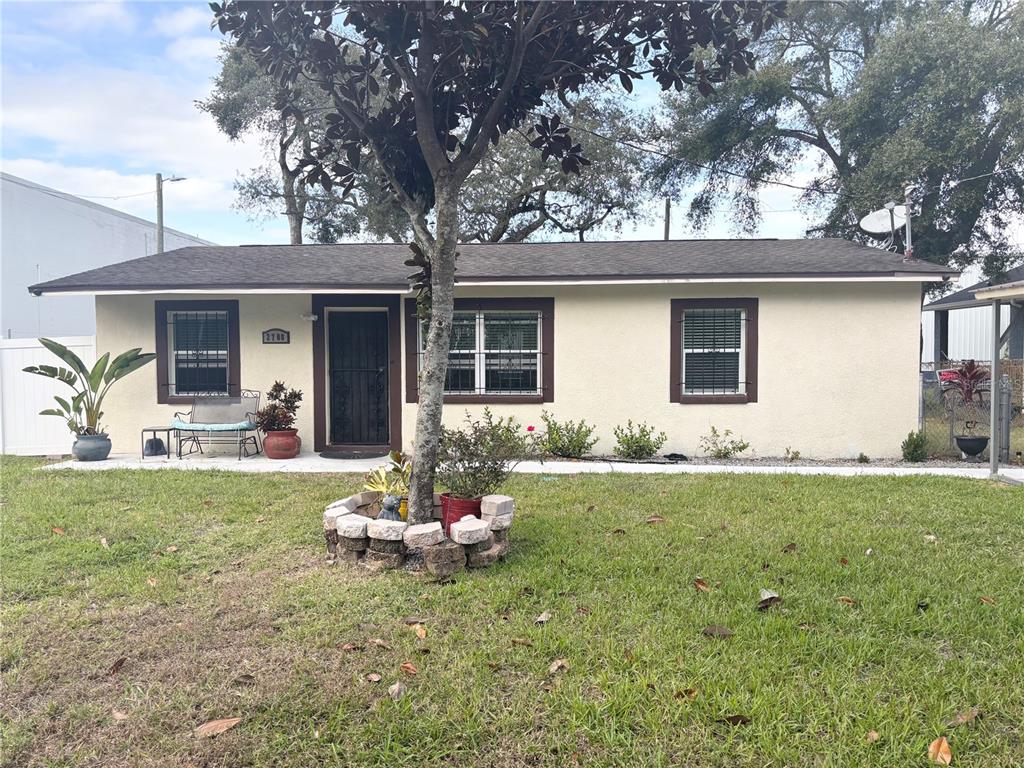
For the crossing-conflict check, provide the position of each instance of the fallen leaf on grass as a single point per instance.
(409, 668)
(873, 736)
(931, 538)
(151, 581)
(380, 644)
(688, 693)
(58, 530)
(987, 600)
(373, 677)
(768, 599)
(843, 561)
(216, 727)
(261, 519)
(735, 719)
(104, 543)
(939, 751)
(172, 549)
(544, 618)
(116, 666)
(655, 519)
(846, 600)
(619, 532)
(700, 585)
(413, 620)
(964, 717)
(244, 679)
(397, 691)
(118, 715)
(557, 666)
(716, 630)
(420, 630)
(591, 508)
(351, 647)
(791, 547)
(522, 641)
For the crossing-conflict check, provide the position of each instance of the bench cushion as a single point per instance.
(241, 426)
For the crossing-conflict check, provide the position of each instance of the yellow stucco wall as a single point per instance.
(837, 364)
(123, 322)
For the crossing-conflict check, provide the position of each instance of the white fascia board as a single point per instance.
(904, 278)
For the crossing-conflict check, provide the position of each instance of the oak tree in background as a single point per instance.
(870, 96)
(427, 89)
(513, 195)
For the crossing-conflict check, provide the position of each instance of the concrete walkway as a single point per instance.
(312, 463)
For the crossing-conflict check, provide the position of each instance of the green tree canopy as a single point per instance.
(513, 195)
(871, 96)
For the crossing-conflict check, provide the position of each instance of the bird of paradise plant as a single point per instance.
(83, 411)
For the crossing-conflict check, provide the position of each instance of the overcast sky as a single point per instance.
(97, 97)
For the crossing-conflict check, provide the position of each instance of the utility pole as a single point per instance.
(668, 215)
(160, 208)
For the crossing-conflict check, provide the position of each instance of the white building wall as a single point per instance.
(46, 234)
(970, 333)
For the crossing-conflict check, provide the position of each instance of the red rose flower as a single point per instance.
(530, 428)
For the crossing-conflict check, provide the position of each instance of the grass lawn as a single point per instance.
(213, 589)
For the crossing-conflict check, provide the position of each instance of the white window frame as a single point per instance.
(741, 350)
(479, 354)
(172, 353)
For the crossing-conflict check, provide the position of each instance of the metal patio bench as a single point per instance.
(220, 420)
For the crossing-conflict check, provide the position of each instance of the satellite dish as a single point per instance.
(881, 222)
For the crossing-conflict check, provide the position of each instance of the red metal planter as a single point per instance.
(454, 509)
(282, 444)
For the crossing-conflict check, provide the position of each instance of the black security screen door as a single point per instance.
(358, 377)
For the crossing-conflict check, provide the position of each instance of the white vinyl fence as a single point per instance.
(22, 396)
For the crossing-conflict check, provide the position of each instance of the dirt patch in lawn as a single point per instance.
(119, 686)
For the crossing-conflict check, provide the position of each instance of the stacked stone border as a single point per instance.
(354, 535)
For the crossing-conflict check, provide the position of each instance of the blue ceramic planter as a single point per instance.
(91, 447)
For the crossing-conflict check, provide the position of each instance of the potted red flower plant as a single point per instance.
(275, 420)
(475, 460)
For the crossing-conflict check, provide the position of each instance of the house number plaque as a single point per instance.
(277, 336)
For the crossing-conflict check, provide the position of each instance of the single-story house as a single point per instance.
(811, 345)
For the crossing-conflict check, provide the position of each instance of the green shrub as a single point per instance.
(915, 446)
(637, 442)
(721, 445)
(475, 460)
(571, 439)
(863, 458)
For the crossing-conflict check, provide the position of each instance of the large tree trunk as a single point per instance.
(442, 254)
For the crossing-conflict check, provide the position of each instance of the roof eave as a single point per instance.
(483, 280)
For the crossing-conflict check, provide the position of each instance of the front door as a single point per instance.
(357, 377)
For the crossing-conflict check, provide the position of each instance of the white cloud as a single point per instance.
(141, 119)
(183, 21)
(129, 192)
(194, 51)
(83, 17)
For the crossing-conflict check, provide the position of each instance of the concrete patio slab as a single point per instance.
(312, 463)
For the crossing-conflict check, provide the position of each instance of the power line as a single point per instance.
(649, 150)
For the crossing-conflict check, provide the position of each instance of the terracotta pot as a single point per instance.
(454, 509)
(282, 444)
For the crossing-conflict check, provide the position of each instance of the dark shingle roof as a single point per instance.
(380, 266)
(965, 296)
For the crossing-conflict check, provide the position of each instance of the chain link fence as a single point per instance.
(946, 415)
